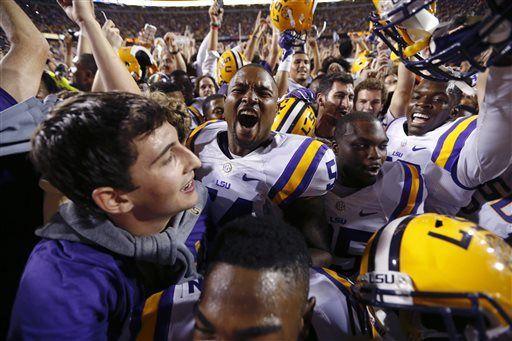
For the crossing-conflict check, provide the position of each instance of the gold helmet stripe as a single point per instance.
(396, 242)
(298, 116)
(382, 255)
(238, 60)
(287, 113)
(291, 117)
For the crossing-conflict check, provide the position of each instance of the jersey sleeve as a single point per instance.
(488, 153)
(311, 171)
(334, 315)
(413, 192)
(452, 143)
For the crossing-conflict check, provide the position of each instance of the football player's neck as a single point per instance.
(349, 180)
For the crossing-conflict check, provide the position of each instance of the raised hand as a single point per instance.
(78, 10)
(112, 33)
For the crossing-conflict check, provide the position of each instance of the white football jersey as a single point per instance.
(169, 314)
(464, 153)
(491, 205)
(284, 169)
(437, 153)
(398, 191)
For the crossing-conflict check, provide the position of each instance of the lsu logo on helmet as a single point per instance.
(447, 268)
(295, 116)
(296, 15)
(228, 64)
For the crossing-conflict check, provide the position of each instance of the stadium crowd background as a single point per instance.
(332, 64)
(49, 18)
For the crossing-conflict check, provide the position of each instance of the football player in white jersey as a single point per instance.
(456, 155)
(370, 191)
(465, 152)
(169, 314)
(247, 255)
(247, 168)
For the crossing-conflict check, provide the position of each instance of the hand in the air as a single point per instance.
(286, 40)
(79, 11)
(112, 33)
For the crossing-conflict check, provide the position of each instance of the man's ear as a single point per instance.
(112, 201)
(307, 317)
(320, 99)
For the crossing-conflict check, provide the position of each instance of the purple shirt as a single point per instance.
(6, 100)
(74, 291)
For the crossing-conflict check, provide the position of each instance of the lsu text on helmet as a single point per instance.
(437, 276)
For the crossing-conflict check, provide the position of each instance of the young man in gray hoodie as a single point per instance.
(132, 227)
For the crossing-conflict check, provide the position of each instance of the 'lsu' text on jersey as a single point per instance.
(169, 314)
(355, 216)
(283, 169)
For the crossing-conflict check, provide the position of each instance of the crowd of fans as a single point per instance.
(202, 172)
(239, 19)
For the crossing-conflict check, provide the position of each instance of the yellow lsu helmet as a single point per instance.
(293, 15)
(433, 275)
(228, 64)
(137, 59)
(295, 117)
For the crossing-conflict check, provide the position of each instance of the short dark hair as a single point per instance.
(371, 84)
(88, 62)
(208, 99)
(327, 81)
(345, 120)
(165, 87)
(259, 66)
(263, 243)
(199, 79)
(88, 142)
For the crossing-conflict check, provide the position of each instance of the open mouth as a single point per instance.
(373, 169)
(247, 118)
(419, 118)
(189, 187)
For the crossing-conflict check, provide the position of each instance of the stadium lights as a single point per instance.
(191, 3)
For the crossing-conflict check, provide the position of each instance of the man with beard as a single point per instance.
(250, 169)
(335, 98)
(369, 192)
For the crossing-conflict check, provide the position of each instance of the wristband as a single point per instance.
(215, 24)
(286, 64)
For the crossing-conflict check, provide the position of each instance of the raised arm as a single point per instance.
(114, 74)
(488, 152)
(403, 92)
(210, 60)
(259, 27)
(23, 65)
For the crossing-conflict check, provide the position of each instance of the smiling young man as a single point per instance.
(369, 191)
(455, 155)
(130, 228)
(335, 98)
(248, 168)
